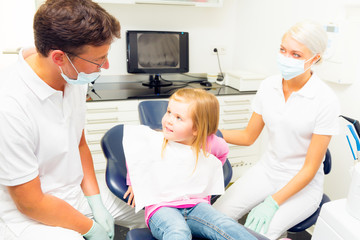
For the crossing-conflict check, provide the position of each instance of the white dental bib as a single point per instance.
(174, 176)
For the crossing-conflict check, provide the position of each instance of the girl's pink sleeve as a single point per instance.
(218, 147)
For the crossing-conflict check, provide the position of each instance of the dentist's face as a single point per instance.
(177, 123)
(91, 60)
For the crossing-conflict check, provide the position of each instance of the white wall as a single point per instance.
(207, 27)
(16, 17)
(259, 27)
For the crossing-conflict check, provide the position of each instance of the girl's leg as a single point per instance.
(247, 192)
(204, 221)
(169, 224)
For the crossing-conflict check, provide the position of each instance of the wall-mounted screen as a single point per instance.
(157, 52)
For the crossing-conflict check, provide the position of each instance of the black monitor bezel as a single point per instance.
(132, 54)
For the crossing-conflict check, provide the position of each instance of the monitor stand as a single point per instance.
(154, 81)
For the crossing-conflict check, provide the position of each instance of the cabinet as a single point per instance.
(100, 117)
(235, 112)
(335, 222)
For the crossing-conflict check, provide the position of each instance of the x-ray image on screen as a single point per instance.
(158, 51)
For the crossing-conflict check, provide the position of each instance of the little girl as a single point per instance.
(174, 172)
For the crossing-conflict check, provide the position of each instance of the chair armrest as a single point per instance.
(116, 183)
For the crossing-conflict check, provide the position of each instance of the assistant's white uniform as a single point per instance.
(40, 133)
(314, 109)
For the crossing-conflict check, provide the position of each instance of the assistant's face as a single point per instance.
(293, 49)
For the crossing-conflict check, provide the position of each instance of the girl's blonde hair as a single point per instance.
(204, 111)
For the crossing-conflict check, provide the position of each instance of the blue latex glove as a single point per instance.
(101, 214)
(96, 232)
(261, 215)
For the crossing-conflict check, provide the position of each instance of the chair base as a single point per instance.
(145, 234)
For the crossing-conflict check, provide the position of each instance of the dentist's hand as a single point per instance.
(261, 215)
(131, 200)
(101, 214)
(96, 232)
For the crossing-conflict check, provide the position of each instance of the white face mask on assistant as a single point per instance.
(290, 67)
(82, 78)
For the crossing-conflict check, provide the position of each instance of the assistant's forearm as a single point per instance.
(237, 137)
(313, 162)
(53, 211)
(296, 184)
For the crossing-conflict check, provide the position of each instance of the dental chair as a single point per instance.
(302, 226)
(116, 171)
(151, 113)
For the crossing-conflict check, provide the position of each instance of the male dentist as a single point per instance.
(48, 188)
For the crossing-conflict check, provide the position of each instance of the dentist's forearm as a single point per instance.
(56, 212)
(47, 209)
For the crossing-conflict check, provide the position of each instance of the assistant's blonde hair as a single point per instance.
(311, 34)
(204, 111)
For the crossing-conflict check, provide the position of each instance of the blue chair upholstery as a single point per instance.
(227, 169)
(151, 113)
(111, 144)
(302, 226)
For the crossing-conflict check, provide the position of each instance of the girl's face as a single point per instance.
(177, 123)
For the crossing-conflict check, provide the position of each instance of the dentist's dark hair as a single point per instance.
(69, 25)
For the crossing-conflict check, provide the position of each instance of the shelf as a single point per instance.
(196, 3)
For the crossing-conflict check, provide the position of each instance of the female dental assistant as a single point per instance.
(300, 113)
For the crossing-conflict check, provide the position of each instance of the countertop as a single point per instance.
(109, 89)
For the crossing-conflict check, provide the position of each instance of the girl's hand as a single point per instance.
(131, 200)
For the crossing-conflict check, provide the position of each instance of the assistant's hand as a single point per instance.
(101, 214)
(96, 232)
(131, 200)
(261, 215)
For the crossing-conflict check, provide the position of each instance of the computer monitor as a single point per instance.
(156, 52)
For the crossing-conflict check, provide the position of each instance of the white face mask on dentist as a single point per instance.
(290, 67)
(82, 78)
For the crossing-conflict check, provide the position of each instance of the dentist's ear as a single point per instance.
(58, 57)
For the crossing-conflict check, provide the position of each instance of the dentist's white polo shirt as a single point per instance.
(314, 109)
(40, 131)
